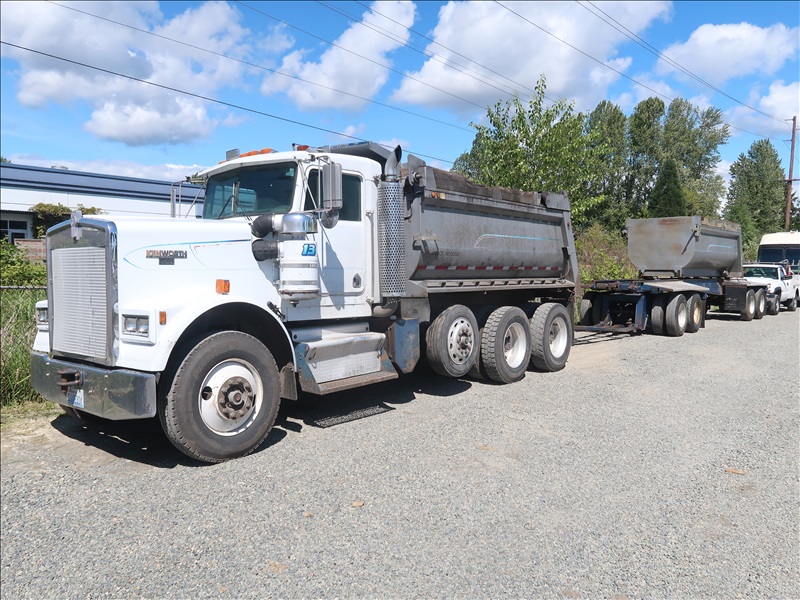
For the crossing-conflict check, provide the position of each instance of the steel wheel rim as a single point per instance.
(514, 346)
(696, 312)
(230, 397)
(682, 316)
(460, 341)
(559, 335)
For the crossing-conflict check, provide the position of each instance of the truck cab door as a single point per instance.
(344, 249)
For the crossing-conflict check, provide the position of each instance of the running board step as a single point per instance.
(342, 361)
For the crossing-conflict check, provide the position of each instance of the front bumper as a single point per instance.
(114, 394)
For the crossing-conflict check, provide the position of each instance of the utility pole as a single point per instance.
(791, 175)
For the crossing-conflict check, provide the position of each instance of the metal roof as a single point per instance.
(27, 177)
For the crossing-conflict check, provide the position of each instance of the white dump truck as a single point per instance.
(313, 270)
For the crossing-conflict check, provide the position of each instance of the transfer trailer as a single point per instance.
(686, 265)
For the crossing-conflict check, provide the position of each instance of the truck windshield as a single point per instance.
(253, 190)
(769, 272)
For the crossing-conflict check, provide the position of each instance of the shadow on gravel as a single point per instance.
(143, 441)
(139, 440)
(359, 403)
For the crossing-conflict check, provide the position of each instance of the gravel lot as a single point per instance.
(650, 467)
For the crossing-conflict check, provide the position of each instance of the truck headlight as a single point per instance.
(41, 316)
(136, 325)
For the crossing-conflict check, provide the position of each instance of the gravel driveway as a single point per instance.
(650, 467)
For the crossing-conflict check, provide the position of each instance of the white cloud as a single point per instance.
(719, 53)
(514, 45)
(782, 101)
(124, 110)
(354, 64)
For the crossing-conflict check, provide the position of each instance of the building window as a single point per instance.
(13, 230)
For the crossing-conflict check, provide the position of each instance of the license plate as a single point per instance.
(75, 397)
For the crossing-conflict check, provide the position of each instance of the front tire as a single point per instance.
(551, 337)
(223, 399)
(791, 305)
(453, 341)
(506, 345)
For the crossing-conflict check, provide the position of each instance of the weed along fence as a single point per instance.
(17, 307)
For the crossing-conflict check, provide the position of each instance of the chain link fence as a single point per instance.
(17, 330)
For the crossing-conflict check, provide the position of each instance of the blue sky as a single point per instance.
(413, 73)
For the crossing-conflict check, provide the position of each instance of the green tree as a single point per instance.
(606, 125)
(667, 198)
(4, 160)
(16, 269)
(533, 148)
(757, 192)
(692, 138)
(46, 215)
(645, 139)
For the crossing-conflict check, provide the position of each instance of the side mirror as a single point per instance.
(332, 186)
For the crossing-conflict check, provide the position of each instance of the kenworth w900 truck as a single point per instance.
(312, 270)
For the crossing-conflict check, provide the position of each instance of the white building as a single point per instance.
(22, 187)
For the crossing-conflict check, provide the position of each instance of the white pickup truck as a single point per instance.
(780, 283)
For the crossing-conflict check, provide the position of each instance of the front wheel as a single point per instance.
(791, 305)
(223, 398)
(551, 337)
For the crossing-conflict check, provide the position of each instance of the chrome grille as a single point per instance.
(82, 290)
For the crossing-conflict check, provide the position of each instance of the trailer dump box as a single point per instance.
(685, 247)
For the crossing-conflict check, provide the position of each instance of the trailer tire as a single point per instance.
(791, 305)
(761, 304)
(505, 345)
(587, 309)
(657, 314)
(694, 309)
(223, 399)
(453, 341)
(551, 337)
(749, 306)
(676, 315)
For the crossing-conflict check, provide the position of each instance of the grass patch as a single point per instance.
(17, 331)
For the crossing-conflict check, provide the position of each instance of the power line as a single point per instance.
(632, 36)
(201, 97)
(612, 68)
(447, 63)
(388, 68)
(516, 83)
(257, 66)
